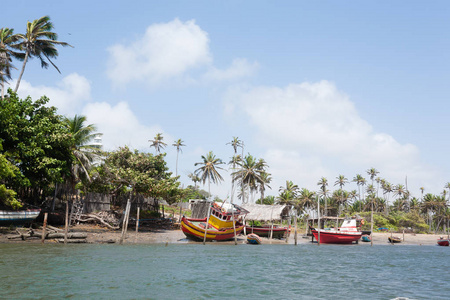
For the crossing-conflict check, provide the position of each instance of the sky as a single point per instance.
(315, 88)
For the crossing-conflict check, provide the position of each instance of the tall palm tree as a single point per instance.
(307, 199)
(250, 172)
(341, 180)
(235, 143)
(358, 179)
(7, 52)
(39, 41)
(399, 191)
(265, 180)
(323, 183)
(158, 143)
(209, 169)
(83, 152)
(194, 179)
(178, 144)
(372, 172)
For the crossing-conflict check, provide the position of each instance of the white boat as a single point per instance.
(9, 217)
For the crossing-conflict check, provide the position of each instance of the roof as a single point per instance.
(260, 212)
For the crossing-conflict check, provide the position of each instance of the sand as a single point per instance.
(96, 234)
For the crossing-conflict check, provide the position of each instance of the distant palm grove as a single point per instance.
(43, 153)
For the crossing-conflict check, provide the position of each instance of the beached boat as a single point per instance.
(278, 232)
(253, 239)
(219, 227)
(346, 234)
(18, 217)
(394, 239)
(365, 238)
(443, 242)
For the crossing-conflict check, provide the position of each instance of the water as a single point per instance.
(195, 271)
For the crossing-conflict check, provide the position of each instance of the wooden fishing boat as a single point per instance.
(18, 217)
(443, 242)
(253, 239)
(278, 232)
(219, 226)
(365, 238)
(346, 234)
(394, 239)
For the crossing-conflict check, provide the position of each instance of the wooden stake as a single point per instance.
(295, 234)
(125, 221)
(66, 228)
(234, 225)
(207, 223)
(137, 224)
(44, 228)
(287, 231)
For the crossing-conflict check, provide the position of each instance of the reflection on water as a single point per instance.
(195, 271)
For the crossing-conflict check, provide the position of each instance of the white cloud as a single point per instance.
(120, 126)
(68, 95)
(165, 51)
(239, 68)
(312, 130)
(171, 51)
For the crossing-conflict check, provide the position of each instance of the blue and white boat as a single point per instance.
(16, 217)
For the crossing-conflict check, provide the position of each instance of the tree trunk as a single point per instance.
(23, 70)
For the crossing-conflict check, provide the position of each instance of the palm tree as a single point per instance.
(399, 191)
(208, 169)
(194, 179)
(341, 180)
(359, 180)
(250, 172)
(307, 199)
(39, 41)
(236, 143)
(7, 52)
(323, 183)
(178, 144)
(372, 174)
(83, 152)
(265, 180)
(158, 143)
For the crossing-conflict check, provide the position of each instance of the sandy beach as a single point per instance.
(96, 234)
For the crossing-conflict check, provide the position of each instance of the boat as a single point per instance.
(253, 239)
(365, 238)
(443, 242)
(394, 239)
(278, 232)
(346, 234)
(18, 217)
(219, 226)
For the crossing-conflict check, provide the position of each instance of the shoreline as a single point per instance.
(99, 235)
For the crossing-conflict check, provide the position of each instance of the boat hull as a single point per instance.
(443, 242)
(18, 217)
(195, 229)
(253, 239)
(394, 239)
(336, 237)
(365, 238)
(278, 232)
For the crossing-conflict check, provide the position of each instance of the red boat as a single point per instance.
(346, 234)
(443, 242)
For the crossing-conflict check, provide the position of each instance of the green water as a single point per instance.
(196, 271)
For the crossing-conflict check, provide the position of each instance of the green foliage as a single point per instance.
(192, 192)
(35, 141)
(142, 173)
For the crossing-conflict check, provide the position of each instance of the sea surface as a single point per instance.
(217, 271)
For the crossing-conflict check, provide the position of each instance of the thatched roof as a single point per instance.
(260, 212)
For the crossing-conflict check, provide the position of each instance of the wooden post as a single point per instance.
(295, 234)
(44, 227)
(137, 224)
(371, 226)
(66, 228)
(179, 219)
(207, 222)
(125, 221)
(403, 235)
(234, 224)
(245, 225)
(318, 222)
(287, 231)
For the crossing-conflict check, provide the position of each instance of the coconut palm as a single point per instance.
(249, 173)
(323, 183)
(236, 143)
(39, 41)
(341, 180)
(307, 199)
(7, 41)
(158, 143)
(83, 152)
(265, 180)
(194, 179)
(399, 191)
(209, 169)
(178, 144)
(359, 180)
(372, 172)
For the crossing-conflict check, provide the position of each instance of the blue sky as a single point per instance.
(317, 89)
